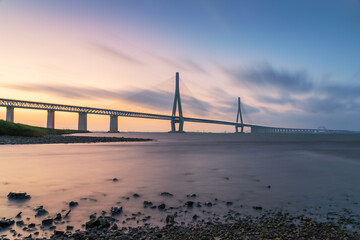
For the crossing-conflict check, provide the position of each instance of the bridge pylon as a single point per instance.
(177, 105)
(239, 117)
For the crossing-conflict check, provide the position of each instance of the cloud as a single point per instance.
(265, 76)
(296, 89)
(192, 65)
(111, 51)
(152, 99)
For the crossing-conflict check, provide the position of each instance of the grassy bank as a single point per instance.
(16, 129)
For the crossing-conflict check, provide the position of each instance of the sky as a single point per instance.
(293, 63)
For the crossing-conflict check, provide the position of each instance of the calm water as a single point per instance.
(319, 175)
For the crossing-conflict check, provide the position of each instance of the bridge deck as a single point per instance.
(101, 111)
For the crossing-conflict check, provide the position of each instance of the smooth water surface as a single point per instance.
(291, 173)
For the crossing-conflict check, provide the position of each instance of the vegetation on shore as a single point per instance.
(16, 129)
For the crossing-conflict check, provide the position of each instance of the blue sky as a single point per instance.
(293, 63)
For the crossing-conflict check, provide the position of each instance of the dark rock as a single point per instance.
(20, 223)
(31, 225)
(18, 215)
(116, 210)
(58, 233)
(198, 204)
(115, 179)
(6, 223)
(195, 217)
(153, 207)
(73, 204)
(135, 195)
(92, 216)
(189, 204)
(170, 220)
(69, 228)
(40, 211)
(269, 186)
(229, 203)
(114, 227)
(191, 195)
(208, 204)
(48, 221)
(67, 214)
(147, 204)
(162, 206)
(18, 196)
(257, 207)
(99, 222)
(58, 217)
(166, 194)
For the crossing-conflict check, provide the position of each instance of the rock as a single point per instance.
(162, 206)
(40, 211)
(67, 214)
(229, 203)
(47, 222)
(135, 195)
(73, 204)
(147, 204)
(257, 207)
(114, 227)
(269, 186)
(166, 194)
(6, 223)
(20, 223)
(198, 204)
(115, 179)
(58, 217)
(208, 204)
(58, 233)
(18, 215)
(69, 228)
(170, 220)
(98, 222)
(195, 217)
(189, 204)
(191, 195)
(92, 216)
(116, 210)
(31, 225)
(18, 196)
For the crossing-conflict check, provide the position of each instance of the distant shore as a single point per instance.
(56, 139)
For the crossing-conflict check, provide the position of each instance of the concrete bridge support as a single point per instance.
(113, 124)
(50, 119)
(177, 104)
(10, 114)
(82, 126)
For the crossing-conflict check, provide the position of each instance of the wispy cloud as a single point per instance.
(152, 99)
(114, 52)
(266, 76)
(296, 89)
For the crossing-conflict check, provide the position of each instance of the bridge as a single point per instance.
(177, 117)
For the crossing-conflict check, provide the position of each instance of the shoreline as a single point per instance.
(64, 139)
(268, 225)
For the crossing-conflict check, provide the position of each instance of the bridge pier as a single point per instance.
(113, 124)
(50, 119)
(82, 124)
(10, 114)
(173, 126)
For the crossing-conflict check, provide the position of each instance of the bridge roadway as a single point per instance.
(10, 104)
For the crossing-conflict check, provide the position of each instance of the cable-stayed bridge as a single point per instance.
(177, 117)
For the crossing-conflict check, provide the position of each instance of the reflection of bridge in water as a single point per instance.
(176, 117)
